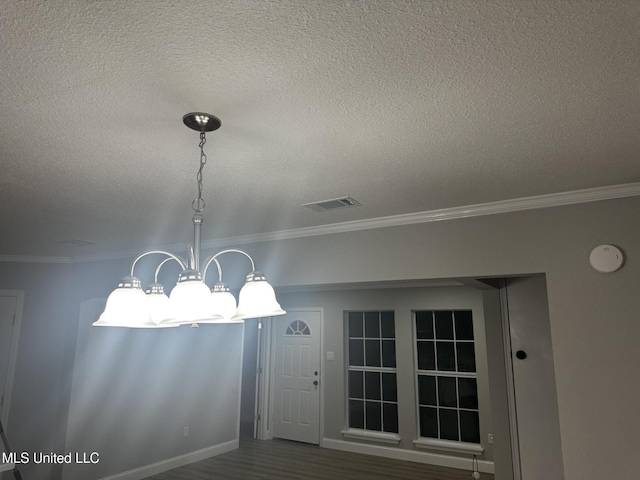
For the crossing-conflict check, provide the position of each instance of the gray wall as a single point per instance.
(48, 328)
(134, 391)
(593, 316)
(133, 388)
(402, 301)
(249, 363)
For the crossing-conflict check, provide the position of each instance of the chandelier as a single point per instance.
(190, 302)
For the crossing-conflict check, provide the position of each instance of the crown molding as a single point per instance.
(467, 211)
(35, 259)
(491, 208)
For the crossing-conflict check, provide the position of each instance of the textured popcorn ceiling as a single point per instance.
(406, 106)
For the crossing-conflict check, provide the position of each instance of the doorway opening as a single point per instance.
(525, 433)
(281, 380)
(11, 304)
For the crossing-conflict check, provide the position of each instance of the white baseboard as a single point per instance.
(159, 467)
(461, 463)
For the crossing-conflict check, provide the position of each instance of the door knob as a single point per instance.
(315, 382)
(521, 354)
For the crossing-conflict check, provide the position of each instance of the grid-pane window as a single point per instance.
(371, 372)
(446, 375)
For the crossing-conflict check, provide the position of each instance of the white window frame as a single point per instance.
(364, 433)
(440, 443)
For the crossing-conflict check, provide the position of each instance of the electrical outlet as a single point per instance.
(490, 438)
(185, 432)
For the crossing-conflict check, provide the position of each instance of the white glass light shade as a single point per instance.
(223, 304)
(257, 299)
(126, 307)
(191, 299)
(160, 308)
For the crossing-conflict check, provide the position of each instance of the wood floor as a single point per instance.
(283, 459)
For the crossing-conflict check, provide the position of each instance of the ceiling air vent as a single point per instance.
(332, 204)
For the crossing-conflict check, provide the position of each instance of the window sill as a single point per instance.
(391, 438)
(448, 446)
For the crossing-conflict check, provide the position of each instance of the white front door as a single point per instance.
(296, 381)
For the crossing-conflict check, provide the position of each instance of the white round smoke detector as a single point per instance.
(606, 258)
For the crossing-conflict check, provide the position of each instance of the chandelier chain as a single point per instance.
(199, 204)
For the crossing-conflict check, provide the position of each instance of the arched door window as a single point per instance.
(297, 327)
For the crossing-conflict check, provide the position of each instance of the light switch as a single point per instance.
(330, 356)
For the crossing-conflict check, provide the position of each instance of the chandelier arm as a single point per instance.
(206, 266)
(182, 263)
(213, 258)
(168, 259)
